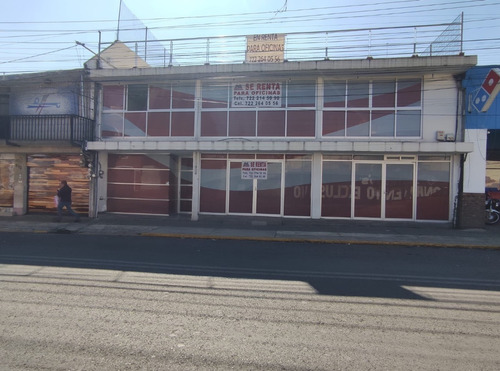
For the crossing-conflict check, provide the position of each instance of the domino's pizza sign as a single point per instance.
(489, 90)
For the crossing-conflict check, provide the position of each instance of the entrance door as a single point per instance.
(256, 196)
(384, 190)
(269, 191)
(368, 190)
(399, 191)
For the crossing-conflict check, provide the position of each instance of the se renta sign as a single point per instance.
(265, 48)
(254, 170)
(256, 94)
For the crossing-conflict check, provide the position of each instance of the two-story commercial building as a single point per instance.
(379, 139)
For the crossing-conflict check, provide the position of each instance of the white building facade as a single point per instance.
(374, 139)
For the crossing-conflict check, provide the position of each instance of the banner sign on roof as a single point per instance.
(265, 48)
(256, 94)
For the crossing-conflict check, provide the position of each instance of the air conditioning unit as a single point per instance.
(450, 137)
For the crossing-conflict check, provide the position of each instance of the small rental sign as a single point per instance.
(254, 170)
(257, 94)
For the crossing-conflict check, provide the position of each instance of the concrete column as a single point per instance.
(316, 186)
(475, 165)
(471, 203)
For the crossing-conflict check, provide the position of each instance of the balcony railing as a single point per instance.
(49, 128)
(381, 42)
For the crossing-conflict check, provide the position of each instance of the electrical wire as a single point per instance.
(379, 9)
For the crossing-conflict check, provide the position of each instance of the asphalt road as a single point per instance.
(78, 302)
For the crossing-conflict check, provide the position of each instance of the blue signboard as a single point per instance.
(44, 101)
(482, 103)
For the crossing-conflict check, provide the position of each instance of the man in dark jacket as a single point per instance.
(64, 195)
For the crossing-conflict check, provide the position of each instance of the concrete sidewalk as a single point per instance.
(258, 228)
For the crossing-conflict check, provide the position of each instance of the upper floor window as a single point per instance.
(137, 97)
(113, 97)
(138, 110)
(269, 108)
(372, 108)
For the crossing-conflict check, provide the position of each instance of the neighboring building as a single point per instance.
(482, 127)
(45, 119)
(374, 139)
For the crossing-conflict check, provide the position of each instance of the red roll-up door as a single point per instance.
(139, 184)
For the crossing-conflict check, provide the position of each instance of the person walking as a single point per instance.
(64, 200)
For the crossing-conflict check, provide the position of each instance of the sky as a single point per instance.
(39, 35)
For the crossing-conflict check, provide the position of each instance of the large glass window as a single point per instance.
(336, 189)
(372, 109)
(433, 190)
(297, 187)
(399, 191)
(139, 110)
(368, 190)
(259, 109)
(213, 185)
(386, 187)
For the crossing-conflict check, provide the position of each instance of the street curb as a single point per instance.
(318, 240)
(273, 239)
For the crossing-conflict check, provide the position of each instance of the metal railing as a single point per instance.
(54, 128)
(360, 43)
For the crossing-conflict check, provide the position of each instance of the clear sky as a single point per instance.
(38, 35)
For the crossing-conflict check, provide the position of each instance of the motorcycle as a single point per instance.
(492, 206)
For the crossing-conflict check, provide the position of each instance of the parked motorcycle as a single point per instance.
(492, 215)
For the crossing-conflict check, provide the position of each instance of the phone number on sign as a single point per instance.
(251, 101)
(265, 59)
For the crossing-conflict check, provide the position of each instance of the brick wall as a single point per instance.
(471, 211)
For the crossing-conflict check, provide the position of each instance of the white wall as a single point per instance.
(475, 165)
(439, 106)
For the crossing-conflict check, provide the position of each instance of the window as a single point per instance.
(112, 97)
(433, 191)
(301, 94)
(139, 110)
(137, 98)
(374, 109)
(297, 186)
(269, 108)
